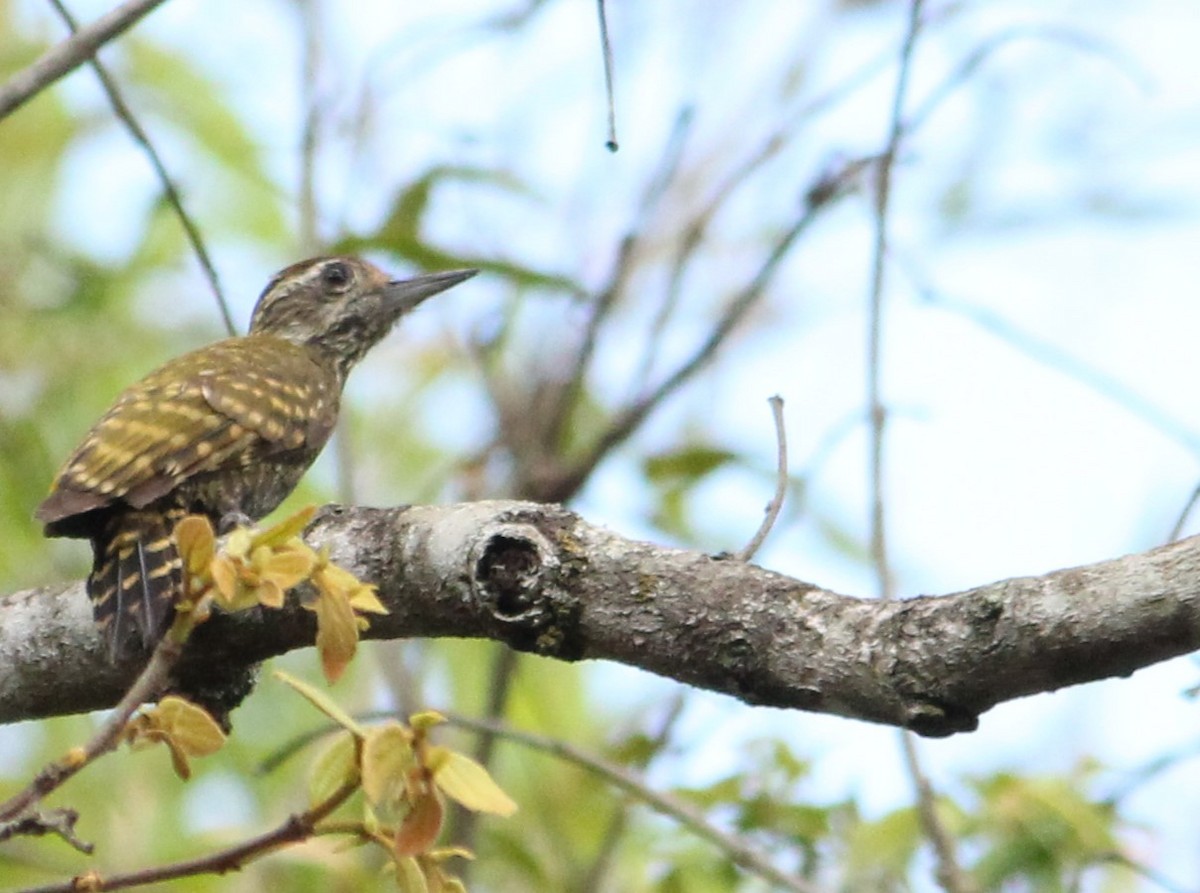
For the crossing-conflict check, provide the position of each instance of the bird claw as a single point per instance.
(230, 521)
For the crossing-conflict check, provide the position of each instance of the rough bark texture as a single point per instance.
(543, 580)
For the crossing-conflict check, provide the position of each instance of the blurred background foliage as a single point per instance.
(472, 133)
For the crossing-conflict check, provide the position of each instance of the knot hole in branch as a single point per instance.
(508, 576)
(518, 577)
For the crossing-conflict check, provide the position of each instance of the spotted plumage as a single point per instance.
(224, 431)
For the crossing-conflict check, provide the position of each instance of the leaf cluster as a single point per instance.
(405, 780)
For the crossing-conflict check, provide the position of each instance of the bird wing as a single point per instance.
(223, 406)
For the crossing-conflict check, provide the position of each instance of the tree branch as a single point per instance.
(147, 687)
(70, 54)
(296, 828)
(542, 579)
(170, 191)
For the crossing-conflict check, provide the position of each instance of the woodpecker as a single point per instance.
(225, 431)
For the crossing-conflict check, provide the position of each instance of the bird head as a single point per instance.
(341, 306)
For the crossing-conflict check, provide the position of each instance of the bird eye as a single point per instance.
(337, 275)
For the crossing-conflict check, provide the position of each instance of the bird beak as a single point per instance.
(402, 295)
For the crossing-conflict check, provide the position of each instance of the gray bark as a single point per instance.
(541, 579)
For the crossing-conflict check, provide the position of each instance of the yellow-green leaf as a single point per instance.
(179, 760)
(289, 527)
(239, 543)
(336, 765)
(196, 542)
(466, 781)
(364, 599)
(225, 577)
(409, 876)
(323, 703)
(337, 634)
(287, 567)
(425, 720)
(333, 580)
(192, 728)
(387, 755)
(269, 594)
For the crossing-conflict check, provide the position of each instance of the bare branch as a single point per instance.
(59, 822)
(606, 51)
(70, 54)
(632, 416)
(781, 482)
(875, 408)
(541, 579)
(1053, 356)
(170, 191)
(687, 815)
(501, 679)
(311, 30)
(1069, 38)
(949, 875)
(1177, 527)
(609, 296)
(295, 829)
(149, 684)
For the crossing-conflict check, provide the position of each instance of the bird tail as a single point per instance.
(136, 578)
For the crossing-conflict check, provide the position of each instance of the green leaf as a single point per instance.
(191, 726)
(335, 766)
(888, 844)
(387, 756)
(323, 703)
(400, 232)
(466, 781)
(182, 93)
(409, 876)
(291, 526)
(689, 463)
(1040, 827)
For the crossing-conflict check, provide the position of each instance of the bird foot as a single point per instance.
(230, 521)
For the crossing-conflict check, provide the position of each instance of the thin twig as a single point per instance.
(309, 212)
(295, 828)
(781, 482)
(170, 191)
(1177, 529)
(608, 296)
(1070, 37)
(738, 851)
(1151, 771)
(149, 684)
(70, 54)
(310, 133)
(628, 420)
(875, 408)
(949, 875)
(618, 776)
(1152, 875)
(595, 875)
(1052, 356)
(783, 135)
(501, 679)
(606, 51)
(59, 822)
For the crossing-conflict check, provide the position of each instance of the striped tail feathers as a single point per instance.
(136, 578)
